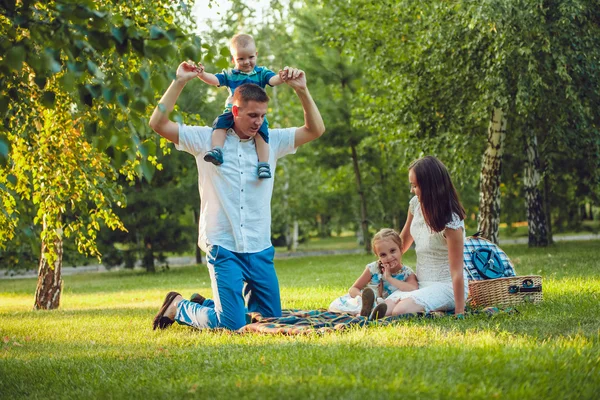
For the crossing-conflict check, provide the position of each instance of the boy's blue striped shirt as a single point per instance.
(233, 78)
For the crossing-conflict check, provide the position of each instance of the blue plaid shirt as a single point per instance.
(232, 78)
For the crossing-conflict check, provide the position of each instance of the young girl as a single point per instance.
(435, 223)
(385, 278)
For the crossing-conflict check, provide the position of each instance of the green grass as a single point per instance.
(586, 228)
(100, 343)
(345, 242)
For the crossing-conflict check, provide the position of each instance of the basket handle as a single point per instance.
(527, 286)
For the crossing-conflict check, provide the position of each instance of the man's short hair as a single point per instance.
(249, 92)
(241, 40)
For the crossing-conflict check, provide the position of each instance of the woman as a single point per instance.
(435, 223)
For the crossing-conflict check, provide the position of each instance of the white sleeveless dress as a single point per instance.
(435, 291)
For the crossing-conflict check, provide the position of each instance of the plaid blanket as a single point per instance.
(302, 322)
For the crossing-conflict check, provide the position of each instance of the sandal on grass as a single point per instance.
(160, 321)
(378, 312)
(368, 300)
(264, 170)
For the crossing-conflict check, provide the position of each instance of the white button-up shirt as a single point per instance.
(235, 206)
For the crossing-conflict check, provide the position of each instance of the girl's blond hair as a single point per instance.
(385, 234)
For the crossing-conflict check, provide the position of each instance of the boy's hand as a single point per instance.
(187, 71)
(294, 77)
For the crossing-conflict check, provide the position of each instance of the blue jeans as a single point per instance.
(228, 271)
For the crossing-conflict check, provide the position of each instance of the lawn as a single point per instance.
(342, 242)
(100, 343)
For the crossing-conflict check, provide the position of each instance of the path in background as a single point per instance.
(189, 260)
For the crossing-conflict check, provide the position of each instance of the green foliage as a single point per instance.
(100, 64)
(436, 69)
(158, 217)
(71, 184)
(317, 187)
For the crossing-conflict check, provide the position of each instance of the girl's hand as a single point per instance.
(354, 291)
(385, 271)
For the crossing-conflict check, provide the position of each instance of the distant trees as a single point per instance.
(159, 216)
(506, 93)
(449, 71)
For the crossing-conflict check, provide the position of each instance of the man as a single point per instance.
(235, 214)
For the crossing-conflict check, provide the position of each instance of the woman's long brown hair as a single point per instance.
(438, 199)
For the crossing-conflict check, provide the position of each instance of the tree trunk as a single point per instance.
(536, 217)
(295, 236)
(491, 173)
(49, 284)
(364, 223)
(148, 258)
(548, 208)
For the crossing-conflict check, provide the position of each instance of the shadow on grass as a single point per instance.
(304, 369)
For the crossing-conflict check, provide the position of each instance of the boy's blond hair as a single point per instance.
(241, 40)
(385, 234)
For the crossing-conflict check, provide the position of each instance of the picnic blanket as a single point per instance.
(302, 322)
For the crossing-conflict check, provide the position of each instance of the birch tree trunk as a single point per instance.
(49, 284)
(491, 173)
(364, 223)
(295, 236)
(536, 216)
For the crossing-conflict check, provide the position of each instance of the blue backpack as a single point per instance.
(485, 260)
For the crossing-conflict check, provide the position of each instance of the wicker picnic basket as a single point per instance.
(506, 291)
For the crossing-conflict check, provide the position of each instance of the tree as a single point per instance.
(157, 217)
(443, 67)
(338, 82)
(73, 190)
(490, 179)
(78, 80)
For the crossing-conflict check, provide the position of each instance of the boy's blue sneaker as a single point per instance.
(214, 156)
(264, 170)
